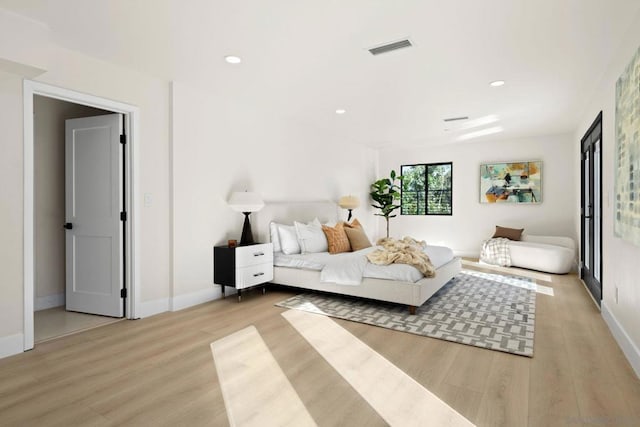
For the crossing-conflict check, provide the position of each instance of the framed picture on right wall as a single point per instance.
(627, 157)
(511, 182)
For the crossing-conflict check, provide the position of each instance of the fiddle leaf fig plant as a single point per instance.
(384, 192)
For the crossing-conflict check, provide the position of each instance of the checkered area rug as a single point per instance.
(480, 309)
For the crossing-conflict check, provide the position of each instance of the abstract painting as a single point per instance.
(627, 158)
(514, 182)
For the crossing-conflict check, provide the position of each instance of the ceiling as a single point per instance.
(302, 60)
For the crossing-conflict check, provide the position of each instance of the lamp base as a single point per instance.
(247, 235)
(349, 217)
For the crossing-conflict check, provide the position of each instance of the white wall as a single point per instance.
(74, 71)
(49, 134)
(222, 144)
(473, 222)
(29, 44)
(11, 301)
(620, 258)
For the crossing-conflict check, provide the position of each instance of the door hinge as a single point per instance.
(123, 139)
(123, 293)
(123, 216)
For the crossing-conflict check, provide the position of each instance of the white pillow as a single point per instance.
(275, 238)
(311, 237)
(288, 239)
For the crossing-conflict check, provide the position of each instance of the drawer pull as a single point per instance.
(258, 253)
(258, 274)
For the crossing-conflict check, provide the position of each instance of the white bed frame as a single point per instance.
(411, 294)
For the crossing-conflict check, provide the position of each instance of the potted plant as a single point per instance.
(384, 193)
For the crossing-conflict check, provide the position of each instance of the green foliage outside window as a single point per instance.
(427, 189)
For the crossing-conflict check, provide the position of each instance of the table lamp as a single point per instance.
(246, 202)
(349, 203)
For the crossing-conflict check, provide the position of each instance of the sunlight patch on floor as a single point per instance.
(256, 391)
(546, 290)
(536, 275)
(499, 277)
(394, 395)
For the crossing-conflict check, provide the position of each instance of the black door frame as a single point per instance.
(587, 143)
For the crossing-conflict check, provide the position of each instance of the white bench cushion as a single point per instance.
(552, 254)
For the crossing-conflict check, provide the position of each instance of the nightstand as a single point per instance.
(243, 266)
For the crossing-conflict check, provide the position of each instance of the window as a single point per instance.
(427, 189)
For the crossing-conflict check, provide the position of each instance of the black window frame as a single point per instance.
(426, 189)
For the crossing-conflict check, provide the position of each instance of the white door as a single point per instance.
(93, 226)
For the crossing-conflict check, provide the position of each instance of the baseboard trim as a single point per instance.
(181, 302)
(628, 347)
(50, 301)
(10, 345)
(150, 308)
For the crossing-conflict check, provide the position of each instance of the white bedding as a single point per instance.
(397, 283)
(349, 268)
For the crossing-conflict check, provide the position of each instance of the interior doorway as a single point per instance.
(130, 265)
(51, 319)
(591, 209)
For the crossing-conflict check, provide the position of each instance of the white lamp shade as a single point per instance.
(348, 202)
(245, 201)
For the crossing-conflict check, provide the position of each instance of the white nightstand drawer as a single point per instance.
(254, 255)
(254, 275)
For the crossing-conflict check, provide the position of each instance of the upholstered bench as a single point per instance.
(552, 254)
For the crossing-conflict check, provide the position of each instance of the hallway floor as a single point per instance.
(57, 322)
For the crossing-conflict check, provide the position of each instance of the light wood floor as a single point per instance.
(57, 322)
(160, 371)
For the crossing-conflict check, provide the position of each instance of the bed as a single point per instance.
(403, 291)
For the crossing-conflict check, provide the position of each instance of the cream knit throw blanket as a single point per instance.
(405, 251)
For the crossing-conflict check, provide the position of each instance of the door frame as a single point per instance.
(597, 122)
(131, 196)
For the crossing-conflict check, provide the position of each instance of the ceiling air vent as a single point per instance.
(390, 47)
(455, 119)
(455, 123)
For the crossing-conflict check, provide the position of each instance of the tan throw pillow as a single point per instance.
(354, 224)
(357, 238)
(337, 239)
(509, 233)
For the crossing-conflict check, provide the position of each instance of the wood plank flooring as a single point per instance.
(57, 322)
(160, 371)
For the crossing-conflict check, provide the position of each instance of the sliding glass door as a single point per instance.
(591, 209)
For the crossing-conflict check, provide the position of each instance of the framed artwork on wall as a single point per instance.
(511, 182)
(627, 158)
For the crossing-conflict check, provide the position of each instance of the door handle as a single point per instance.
(68, 225)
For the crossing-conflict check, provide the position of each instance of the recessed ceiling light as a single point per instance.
(340, 111)
(232, 59)
(497, 83)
